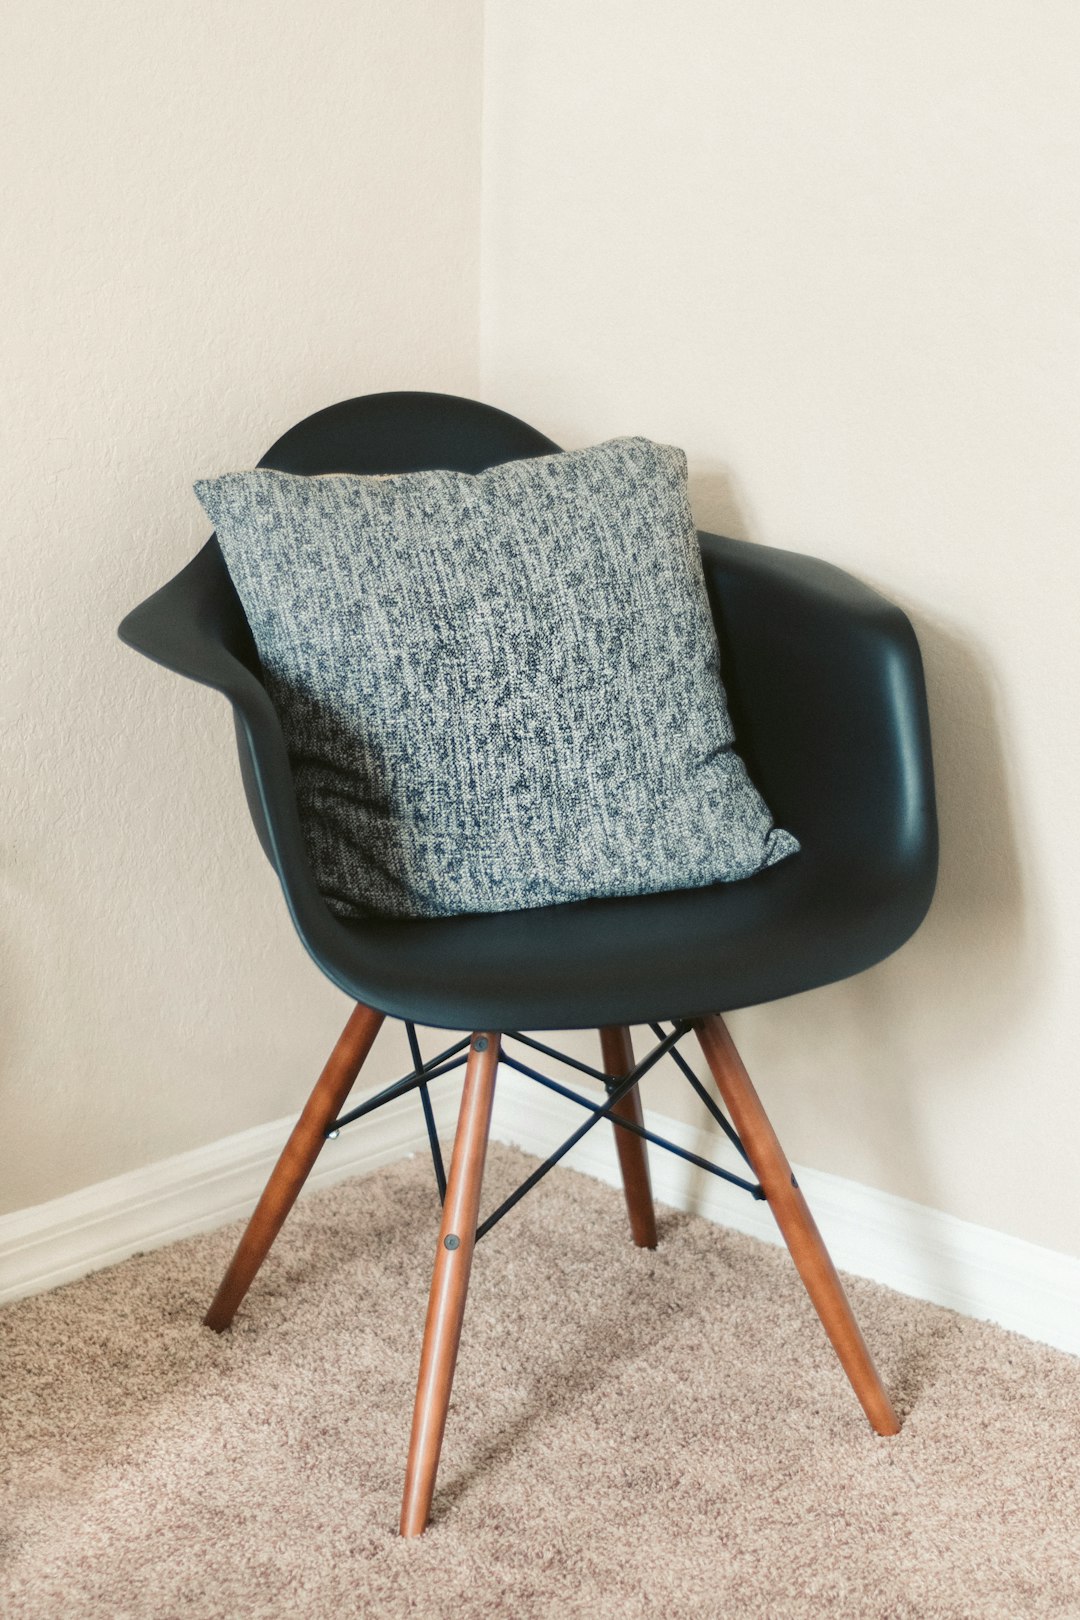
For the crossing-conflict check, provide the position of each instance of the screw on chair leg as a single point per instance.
(795, 1221)
(294, 1165)
(450, 1283)
(618, 1055)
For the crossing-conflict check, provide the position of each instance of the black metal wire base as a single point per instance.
(455, 1057)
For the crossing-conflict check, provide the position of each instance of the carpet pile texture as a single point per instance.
(632, 1434)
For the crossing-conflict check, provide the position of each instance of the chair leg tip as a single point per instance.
(883, 1416)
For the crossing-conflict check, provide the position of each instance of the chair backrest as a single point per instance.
(823, 676)
(405, 432)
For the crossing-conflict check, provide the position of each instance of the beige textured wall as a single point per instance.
(833, 250)
(215, 219)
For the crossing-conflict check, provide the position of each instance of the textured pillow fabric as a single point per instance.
(498, 690)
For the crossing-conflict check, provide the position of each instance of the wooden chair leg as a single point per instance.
(618, 1056)
(795, 1221)
(450, 1283)
(294, 1165)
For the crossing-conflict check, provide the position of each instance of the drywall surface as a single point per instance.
(216, 219)
(834, 252)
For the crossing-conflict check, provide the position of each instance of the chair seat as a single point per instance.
(826, 691)
(809, 921)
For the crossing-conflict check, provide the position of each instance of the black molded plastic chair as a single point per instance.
(826, 689)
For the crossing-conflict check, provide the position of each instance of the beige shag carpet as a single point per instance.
(633, 1434)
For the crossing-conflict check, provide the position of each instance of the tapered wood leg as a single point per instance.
(795, 1221)
(618, 1055)
(294, 1165)
(450, 1284)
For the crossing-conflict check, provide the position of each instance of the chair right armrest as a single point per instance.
(195, 626)
(827, 694)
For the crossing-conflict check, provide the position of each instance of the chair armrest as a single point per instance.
(825, 682)
(195, 626)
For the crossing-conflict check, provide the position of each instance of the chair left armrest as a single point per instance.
(828, 699)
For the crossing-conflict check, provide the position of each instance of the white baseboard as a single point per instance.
(193, 1192)
(907, 1246)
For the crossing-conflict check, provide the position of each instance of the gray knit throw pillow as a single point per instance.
(498, 690)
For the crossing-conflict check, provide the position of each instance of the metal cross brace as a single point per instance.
(454, 1057)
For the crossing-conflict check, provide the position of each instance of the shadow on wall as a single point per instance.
(870, 1050)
